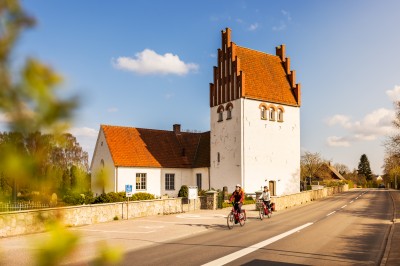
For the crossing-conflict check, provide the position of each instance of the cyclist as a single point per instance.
(238, 198)
(266, 197)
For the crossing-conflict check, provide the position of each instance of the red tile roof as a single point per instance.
(141, 147)
(265, 77)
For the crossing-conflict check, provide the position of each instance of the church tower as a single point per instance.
(255, 120)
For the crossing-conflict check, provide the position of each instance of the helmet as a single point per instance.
(238, 185)
(266, 187)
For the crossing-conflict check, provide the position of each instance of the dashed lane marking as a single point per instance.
(344, 206)
(330, 213)
(243, 252)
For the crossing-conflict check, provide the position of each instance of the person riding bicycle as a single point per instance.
(266, 197)
(238, 198)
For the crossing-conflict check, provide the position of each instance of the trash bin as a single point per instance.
(272, 206)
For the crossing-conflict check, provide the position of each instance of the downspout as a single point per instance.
(243, 146)
(116, 180)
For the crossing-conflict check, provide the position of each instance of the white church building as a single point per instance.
(254, 138)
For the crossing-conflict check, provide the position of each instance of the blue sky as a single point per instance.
(149, 63)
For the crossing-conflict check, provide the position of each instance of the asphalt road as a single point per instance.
(347, 229)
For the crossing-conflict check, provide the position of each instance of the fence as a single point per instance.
(21, 206)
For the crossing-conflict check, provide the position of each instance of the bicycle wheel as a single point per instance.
(230, 220)
(242, 218)
(261, 213)
(269, 214)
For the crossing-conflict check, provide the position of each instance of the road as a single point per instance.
(347, 229)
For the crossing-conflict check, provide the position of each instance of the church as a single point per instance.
(254, 137)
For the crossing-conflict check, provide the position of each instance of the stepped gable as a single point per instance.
(247, 73)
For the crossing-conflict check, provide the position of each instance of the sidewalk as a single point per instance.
(393, 256)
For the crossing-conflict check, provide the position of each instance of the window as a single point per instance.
(218, 157)
(272, 114)
(263, 113)
(140, 181)
(220, 116)
(220, 112)
(280, 115)
(229, 108)
(198, 180)
(169, 181)
(229, 113)
(102, 163)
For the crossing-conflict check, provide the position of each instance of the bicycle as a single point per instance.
(235, 217)
(264, 211)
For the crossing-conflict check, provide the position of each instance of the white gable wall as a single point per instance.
(226, 140)
(271, 149)
(127, 176)
(102, 152)
(255, 151)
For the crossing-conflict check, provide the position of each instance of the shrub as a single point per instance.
(143, 196)
(183, 192)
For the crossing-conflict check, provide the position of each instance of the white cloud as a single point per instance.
(286, 14)
(149, 62)
(335, 141)
(112, 110)
(339, 119)
(84, 132)
(282, 26)
(374, 125)
(394, 94)
(253, 26)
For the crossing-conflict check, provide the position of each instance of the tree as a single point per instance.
(342, 168)
(364, 168)
(310, 164)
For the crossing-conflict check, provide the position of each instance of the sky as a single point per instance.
(148, 64)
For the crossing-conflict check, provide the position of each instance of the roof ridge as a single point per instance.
(258, 51)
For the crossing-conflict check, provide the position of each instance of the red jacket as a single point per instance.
(238, 196)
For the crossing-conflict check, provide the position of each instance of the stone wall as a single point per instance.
(33, 221)
(288, 201)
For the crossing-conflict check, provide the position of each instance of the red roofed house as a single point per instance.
(154, 161)
(254, 138)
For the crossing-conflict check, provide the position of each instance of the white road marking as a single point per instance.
(238, 254)
(331, 213)
(344, 206)
(152, 227)
(352, 201)
(119, 232)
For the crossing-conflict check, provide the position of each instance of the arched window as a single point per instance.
(272, 113)
(220, 112)
(228, 108)
(280, 113)
(263, 111)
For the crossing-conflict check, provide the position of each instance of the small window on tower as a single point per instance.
(220, 116)
(220, 112)
(272, 114)
(229, 113)
(218, 157)
(263, 113)
(280, 115)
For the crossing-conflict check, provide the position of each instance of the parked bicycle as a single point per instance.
(235, 217)
(264, 210)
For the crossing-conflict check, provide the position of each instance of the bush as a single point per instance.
(76, 198)
(121, 196)
(183, 192)
(143, 196)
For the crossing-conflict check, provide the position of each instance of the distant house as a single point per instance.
(153, 161)
(254, 138)
(328, 172)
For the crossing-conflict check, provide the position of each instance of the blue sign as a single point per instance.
(128, 191)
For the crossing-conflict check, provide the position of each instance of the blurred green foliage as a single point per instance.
(30, 103)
